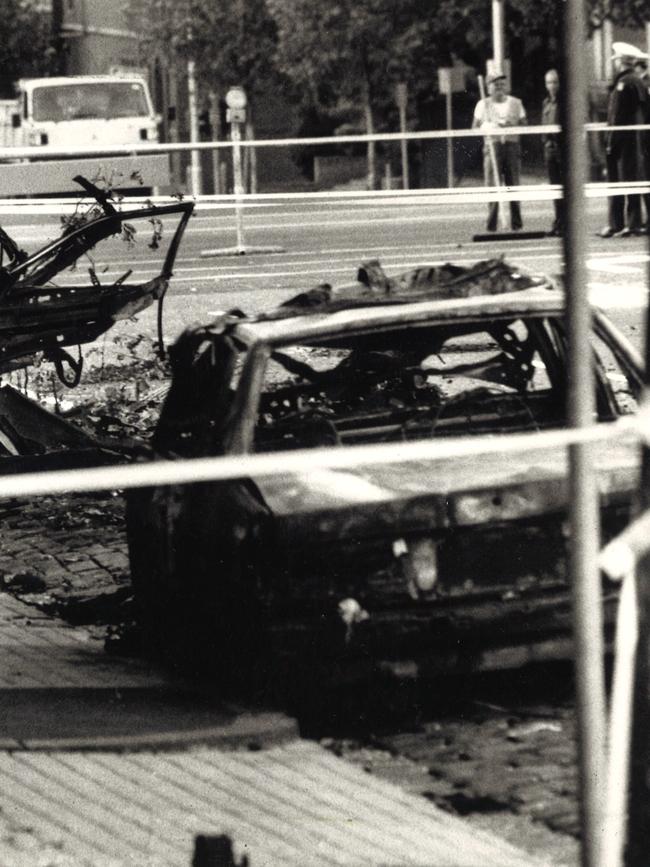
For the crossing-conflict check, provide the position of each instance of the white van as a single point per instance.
(85, 111)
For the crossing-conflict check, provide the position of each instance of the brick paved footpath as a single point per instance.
(64, 549)
(104, 761)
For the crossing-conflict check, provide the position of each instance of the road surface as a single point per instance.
(325, 241)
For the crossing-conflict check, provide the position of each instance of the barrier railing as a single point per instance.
(163, 472)
(43, 152)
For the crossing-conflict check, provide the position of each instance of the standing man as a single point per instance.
(551, 142)
(498, 110)
(626, 106)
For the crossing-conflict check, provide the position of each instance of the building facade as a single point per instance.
(95, 37)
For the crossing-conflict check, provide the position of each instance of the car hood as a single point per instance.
(442, 493)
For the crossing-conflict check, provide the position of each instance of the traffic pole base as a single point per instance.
(240, 251)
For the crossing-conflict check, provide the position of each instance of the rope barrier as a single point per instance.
(305, 461)
(422, 196)
(46, 152)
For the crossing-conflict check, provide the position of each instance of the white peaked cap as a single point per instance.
(626, 49)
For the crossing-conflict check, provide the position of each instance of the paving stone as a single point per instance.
(82, 581)
(85, 565)
(71, 558)
(113, 560)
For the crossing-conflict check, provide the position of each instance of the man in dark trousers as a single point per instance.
(501, 153)
(626, 105)
(551, 141)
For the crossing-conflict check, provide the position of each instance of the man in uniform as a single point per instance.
(499, 110)
(626, 106)
(551, 142)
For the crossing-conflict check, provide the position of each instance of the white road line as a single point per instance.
(610, 296)
(315, 257)
(623, 263)
(324, 272)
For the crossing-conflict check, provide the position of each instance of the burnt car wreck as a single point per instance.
(41, 319)
(406, 567)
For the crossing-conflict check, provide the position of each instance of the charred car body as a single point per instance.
(41, 317)
(408, 566)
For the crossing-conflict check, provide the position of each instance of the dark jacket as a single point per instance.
(627, 104)
(550, 114)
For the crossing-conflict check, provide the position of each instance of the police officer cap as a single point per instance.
(627, 51)
(496, 76)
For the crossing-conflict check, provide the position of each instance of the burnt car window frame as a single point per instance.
(63, 252)
(240, 430)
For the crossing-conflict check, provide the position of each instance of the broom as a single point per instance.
(503, 235)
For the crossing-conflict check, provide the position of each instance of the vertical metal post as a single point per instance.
(450, 143)
(196, 180)
(215, 123)
(401, 98)
(639, 795)
(499, 35)
(404, 147)
(238, 181)
(175, 158)
(584, 513)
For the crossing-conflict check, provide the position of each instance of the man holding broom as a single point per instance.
(501, 152)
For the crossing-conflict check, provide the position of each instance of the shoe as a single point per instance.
(623, 233)
(517, 228)
(607, 232)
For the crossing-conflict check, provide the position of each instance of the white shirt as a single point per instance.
(509, 112)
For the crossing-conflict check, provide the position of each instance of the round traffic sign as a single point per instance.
(236, 98)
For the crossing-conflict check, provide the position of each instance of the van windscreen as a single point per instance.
(91, 100)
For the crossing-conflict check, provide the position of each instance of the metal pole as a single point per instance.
(216, 135)
(639, 795)
(238, 181)
(584, 511)
(450, 144)
(196, 180)
(401, 97)
(499, 35)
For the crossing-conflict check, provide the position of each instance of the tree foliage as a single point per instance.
(630, 12)
(335, 52)
(232, 41)
(25, 43)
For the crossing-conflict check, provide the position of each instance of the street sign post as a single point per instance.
(236, 102)
(236, 115)
(451, 79)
